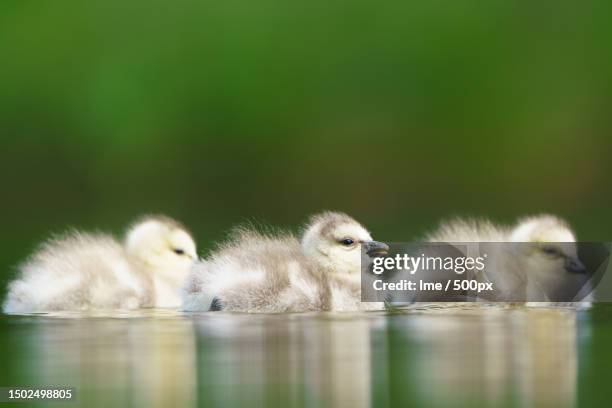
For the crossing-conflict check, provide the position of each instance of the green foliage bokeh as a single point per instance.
(399, 113)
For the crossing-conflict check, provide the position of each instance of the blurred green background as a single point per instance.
(399, 113)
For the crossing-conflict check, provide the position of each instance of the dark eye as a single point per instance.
(179, 251)
(347, 242)
(551, 251)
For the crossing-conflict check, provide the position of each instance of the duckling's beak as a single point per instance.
(376, 249)
(574, 265)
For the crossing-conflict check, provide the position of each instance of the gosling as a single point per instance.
(276, 273)
(92, 271)
(543, 264)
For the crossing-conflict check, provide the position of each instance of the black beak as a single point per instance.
(375, 248)
(573, 265)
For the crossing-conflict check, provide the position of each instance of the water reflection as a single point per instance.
(291, 360)
(492, 357)
(478, 356)
(117, 361)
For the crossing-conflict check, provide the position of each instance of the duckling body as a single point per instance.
(539, 262)
(82, 271)
(77, 272)
(259, 273)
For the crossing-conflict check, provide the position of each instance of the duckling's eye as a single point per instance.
(347, 242)
(179, 251)
(551, 251)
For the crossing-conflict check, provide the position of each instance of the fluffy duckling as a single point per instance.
(83, 271)
(256, 272)
(542, 265)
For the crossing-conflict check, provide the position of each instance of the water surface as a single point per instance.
(431, 356)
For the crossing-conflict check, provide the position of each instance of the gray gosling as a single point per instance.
(256, 272)
(540, 271)
(82, 271)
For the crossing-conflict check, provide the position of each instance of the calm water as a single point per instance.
(479, 356)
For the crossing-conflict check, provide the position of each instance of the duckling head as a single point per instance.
(333, 241)
(554, 239)
(161, 244)
(551, 257)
